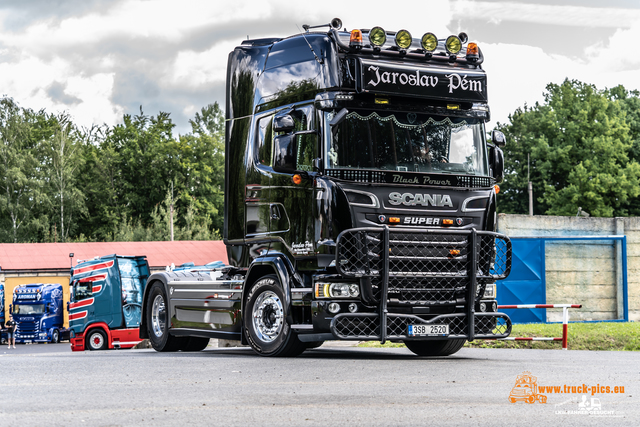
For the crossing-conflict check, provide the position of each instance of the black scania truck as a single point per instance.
(360, 200)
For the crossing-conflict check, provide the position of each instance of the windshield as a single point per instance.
(28, 309)
(406, 142)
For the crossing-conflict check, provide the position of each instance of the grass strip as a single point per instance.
(614, 336)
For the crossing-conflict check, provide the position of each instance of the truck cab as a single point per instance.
(360, 198)
(106, 301)
(38, 312)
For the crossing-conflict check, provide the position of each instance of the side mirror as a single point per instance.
(283, 123)
(496, 160)
(285, 153)
(498, 138)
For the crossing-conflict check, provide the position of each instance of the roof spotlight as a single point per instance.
(453, 45)
(429, 42)
(403, 39)
(463, 37)
(377, 36)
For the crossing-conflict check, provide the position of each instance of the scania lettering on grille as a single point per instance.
(408, 199)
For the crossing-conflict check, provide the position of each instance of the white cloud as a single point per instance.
(576, 16)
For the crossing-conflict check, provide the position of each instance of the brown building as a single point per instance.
(23, 263)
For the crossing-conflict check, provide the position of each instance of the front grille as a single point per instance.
(27, 328)
(365, 326)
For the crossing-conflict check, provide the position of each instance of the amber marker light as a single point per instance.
(394, 220)
(454, 252)
(497, 188)
(447, 221)
(297, 179)
(356, 39)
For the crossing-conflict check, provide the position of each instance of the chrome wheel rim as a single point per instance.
(268, 316)
(96, 340)
(158, 316)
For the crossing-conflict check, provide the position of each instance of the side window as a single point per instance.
(265, 141)
(306, 144)
(82, 290)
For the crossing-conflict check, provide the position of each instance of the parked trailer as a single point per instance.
(106, 302)
(359, 200)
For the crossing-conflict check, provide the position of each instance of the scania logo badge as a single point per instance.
(382, 218)
(459, 221)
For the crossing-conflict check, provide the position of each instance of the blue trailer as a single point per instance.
(38, 312)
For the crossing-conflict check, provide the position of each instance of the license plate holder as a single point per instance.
(428, 330)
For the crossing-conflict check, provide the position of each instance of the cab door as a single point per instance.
(292, 202)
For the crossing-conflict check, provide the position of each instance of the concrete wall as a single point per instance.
(584, 272)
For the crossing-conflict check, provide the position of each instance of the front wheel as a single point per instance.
(157, 314)
(55, 336)
(435, 347)
(96, 340)
(265, 322)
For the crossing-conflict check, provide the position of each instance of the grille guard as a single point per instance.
(431, 266)
(363, 326)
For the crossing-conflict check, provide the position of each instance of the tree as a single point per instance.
(580, 146)
(62, 159)
(20, 184)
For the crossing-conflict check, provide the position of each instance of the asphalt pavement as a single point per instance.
(332, 385)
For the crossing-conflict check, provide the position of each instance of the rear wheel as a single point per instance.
(435, 347)
(96, 340)
(157, 314)
(265, 324)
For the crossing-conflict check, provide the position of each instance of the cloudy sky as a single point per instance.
(100, 59)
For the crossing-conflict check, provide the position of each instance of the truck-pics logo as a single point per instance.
(408, 199)
(526, 390)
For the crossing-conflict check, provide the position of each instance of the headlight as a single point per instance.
(453, 45)
(403, 39)
(377, 36)
(337, 290)
(429, 42)
(490, 291)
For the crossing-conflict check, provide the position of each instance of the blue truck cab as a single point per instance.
(38, 312)
(106, 302)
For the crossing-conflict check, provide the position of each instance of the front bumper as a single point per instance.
(366, 326)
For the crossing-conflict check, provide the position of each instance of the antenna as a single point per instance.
(320, 61)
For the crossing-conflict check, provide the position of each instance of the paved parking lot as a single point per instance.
(333, 385)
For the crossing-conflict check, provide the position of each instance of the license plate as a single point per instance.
(428, 330)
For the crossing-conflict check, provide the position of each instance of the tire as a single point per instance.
(196, 344)
(96, 340)
(435, 347)
(157, 317)
(265, 321)
(314, 344)
(55, 336)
